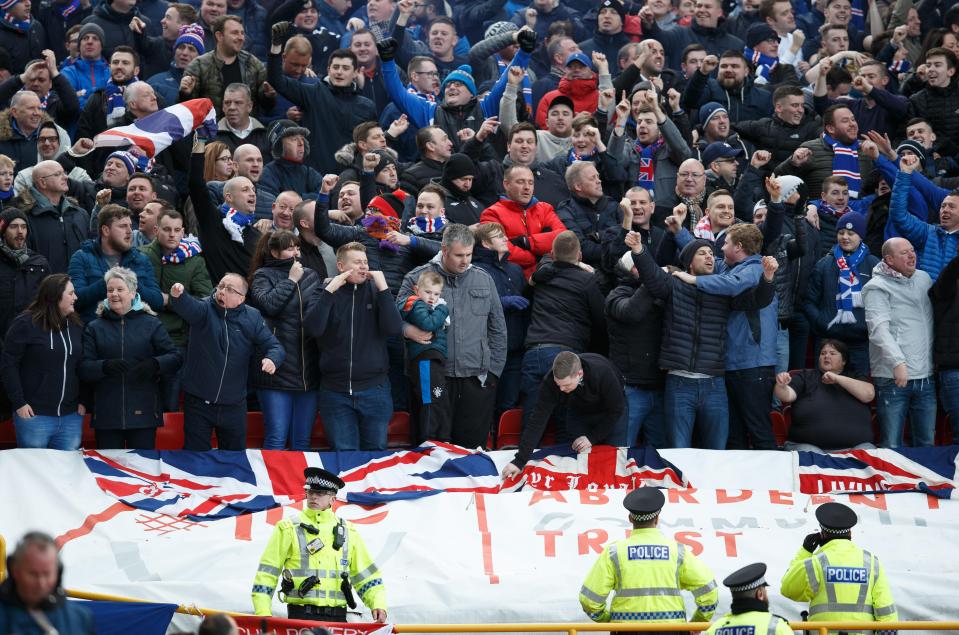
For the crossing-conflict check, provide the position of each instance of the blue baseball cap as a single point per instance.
(581, 58)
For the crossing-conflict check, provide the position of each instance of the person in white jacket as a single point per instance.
(899, 317)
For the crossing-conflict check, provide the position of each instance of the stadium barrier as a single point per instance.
(573, 628)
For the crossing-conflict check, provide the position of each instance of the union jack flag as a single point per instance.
(928, 470)
(155, 133)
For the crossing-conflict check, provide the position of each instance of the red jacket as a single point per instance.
(538, 222)
(583, 92)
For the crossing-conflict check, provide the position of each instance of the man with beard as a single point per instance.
(113, 247)
(836, 152)
(708, 28)
(733, 87)
(106, 107)
(21, 270)
(332, 105)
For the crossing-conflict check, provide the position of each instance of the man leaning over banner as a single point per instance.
(841, 582)
(647, 572)
(318, 559)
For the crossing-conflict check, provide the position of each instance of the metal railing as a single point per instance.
(572, 628)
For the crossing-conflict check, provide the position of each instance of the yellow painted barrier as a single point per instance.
(568, 627)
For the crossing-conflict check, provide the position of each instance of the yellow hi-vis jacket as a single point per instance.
(304, 554)
(841, 582)
(646, 572)
(750, 623)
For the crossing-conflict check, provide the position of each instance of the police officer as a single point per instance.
(749, 612)
(318, 559)
(646, 572)
(840, 581)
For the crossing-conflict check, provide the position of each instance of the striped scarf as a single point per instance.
(829, 211)
(849, 290)
(845, 163)
(115, 106)
(574, 156)
(430, 97)
(187, 248)
(858, 20)
(900, 66)
(234, 221)
(527, 86)
(68, 9)
(704, 229)
(765, 65)
(647, 163)
(20, 26)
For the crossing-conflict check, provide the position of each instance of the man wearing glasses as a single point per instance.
(58, 226)
(79, 185)
(225, 333)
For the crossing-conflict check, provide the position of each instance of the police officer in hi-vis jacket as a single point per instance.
(749, 612)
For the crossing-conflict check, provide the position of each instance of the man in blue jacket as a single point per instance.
(112, 247)
(225, 333)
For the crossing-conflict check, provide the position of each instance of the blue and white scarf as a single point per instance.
(187, 248)
(21, 26)
(116, 108)
(527, 86)
(234, 221)
(858, 20)
(845, 163)
(849, 290)
(900, 66)
(574, 156)
(765, 64)
(68, 9)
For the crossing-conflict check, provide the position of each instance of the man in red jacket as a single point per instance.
(531, 225)
(580, 83)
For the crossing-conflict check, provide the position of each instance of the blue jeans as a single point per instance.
(782, 350)
(358, 421)
(917, 399)
(51, 432)
(507, 388)
(688, 400)
(949, 398)
(645, 416)
(537, 363)
(287, 415)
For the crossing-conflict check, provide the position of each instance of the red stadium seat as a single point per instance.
(780, 427)
(318, 440)
(170, 435)
(255, 430)
(509, 429)
(398, 431)
(8, 436)
(88, 440)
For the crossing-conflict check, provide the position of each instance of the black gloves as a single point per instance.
(115, 367)
(387, 49)
(812, 541)
(526, 40)
(521, 241)
(145, 369)
(279, 33)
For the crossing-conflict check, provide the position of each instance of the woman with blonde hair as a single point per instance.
(125, 351)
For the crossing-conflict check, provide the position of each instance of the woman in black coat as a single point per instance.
(125, 351)
(39, 368)
(283, 289)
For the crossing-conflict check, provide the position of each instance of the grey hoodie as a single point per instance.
(899, 317)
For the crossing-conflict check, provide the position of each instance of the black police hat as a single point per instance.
(748, 578)
(644, 503)
(836, 518)
(319, 480)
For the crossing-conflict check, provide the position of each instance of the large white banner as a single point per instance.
(482, 558)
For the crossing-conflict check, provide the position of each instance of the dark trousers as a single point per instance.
(399, 386)
(471, 408)
(316, 613)
(135, 439)
(170, 389)
(798, 341)
(201, 418)
(432, 416)
(750, 395)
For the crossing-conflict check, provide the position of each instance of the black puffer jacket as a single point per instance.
(939, 106)
(509, 279)
(635, 321)
(777, 136)
(589, 221)
(694, 333)
(18, 284)
(945, 345)
(567, 308)
(394, 264)
(419, 175)
(125, 402)
(283, 304)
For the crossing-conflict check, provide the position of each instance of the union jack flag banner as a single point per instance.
(927, 470)
(155, 133)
